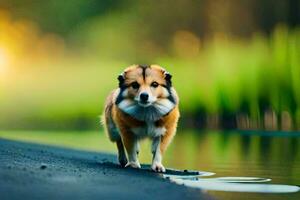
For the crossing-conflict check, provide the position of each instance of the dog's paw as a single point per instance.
(158, 167)
(135, 164)
(123, 161)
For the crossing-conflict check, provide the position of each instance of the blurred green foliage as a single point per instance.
(59, 60)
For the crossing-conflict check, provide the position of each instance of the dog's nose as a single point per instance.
(144, 97)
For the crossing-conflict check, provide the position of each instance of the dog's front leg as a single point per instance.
(132, 147)
(157, 156)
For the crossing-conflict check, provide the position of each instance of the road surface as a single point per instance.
(32, 171)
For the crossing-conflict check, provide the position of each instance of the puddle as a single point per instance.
(238, 187)
(241, 179)
(218, 179)
(188, 176)
(230, 184)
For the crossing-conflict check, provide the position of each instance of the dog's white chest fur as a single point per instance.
(149, 130)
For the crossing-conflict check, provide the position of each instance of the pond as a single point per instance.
(271, 155)
(267, 155)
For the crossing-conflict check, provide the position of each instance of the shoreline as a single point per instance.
(33, 171)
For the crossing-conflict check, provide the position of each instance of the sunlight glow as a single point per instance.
(3, 60)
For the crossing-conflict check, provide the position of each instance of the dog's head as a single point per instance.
(146, 92)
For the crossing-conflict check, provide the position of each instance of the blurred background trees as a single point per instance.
(236, 64)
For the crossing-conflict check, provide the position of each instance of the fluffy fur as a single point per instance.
(144, 105)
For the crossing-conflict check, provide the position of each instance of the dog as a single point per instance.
(145, 105)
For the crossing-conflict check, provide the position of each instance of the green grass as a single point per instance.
(227, 75)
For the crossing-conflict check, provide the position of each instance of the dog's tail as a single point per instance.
(107, 120)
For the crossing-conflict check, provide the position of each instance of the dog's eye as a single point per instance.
(135, 85)
(154, 84)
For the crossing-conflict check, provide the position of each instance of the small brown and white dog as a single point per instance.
(144, 105)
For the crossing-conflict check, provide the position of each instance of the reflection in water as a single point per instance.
(234, 154)
(238, 179)
(231, 184)
(239, 154)
(218, 179)
(238, 187)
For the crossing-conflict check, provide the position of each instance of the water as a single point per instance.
(231, 184)
(256, 165)
(252, 163)
(213, 185)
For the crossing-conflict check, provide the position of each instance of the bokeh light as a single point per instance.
(229, 73)
(3, 60)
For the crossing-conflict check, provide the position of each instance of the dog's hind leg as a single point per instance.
(113, 132)
(114, 136)
(121, 153)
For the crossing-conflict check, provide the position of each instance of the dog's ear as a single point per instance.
(168, 78)
(121, 79)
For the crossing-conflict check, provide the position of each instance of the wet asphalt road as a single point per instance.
(31, 171)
